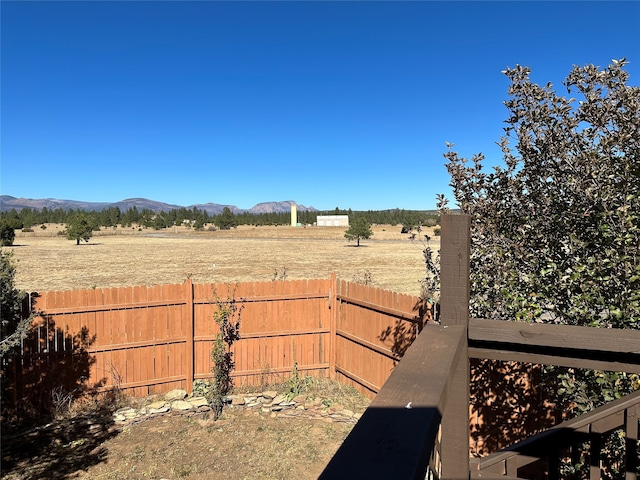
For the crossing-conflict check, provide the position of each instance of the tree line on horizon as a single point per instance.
(28, 218)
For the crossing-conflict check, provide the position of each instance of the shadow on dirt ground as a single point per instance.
(57, 450)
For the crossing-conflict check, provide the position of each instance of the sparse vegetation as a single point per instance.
(239, 445)
(227, 315)
(280, 273)
(365, 277)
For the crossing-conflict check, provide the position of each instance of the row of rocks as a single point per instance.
(177, 402)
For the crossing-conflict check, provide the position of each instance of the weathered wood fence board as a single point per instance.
(153, 339)
(374, 328)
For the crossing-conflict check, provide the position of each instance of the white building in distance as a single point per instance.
(332, 221)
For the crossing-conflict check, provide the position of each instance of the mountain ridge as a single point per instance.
(8, 202)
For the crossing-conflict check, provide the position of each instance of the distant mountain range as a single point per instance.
(8, 202)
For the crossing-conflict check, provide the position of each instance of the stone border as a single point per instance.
(177, 402)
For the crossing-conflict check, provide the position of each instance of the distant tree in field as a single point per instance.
(226, 219)
(7, 234)
(14, 325)
(79, 228)
(359, 228)
(161, 221)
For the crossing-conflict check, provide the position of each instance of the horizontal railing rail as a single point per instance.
(417, 426)
(397, 436)
(618, 414)
(550, 344)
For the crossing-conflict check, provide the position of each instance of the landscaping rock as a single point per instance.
(198, 402)
(165, 408)
(177, 394)
(180, 406)
(269, 402)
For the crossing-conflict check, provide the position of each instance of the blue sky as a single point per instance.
(330, 104)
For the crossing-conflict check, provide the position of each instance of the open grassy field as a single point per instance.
(116, 257)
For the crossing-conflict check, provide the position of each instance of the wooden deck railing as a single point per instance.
(398, 435)
(418, 425)
(537, 455)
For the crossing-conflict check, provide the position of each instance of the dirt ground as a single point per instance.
(238, 446)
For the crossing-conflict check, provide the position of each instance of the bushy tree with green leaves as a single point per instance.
(562, 213)
(80, 227)
(359, 228)
(7, 234)
(556, 228)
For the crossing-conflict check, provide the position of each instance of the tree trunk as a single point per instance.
(77, 241)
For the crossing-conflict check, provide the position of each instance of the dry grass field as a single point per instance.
(116, 257)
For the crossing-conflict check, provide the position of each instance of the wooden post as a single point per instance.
(631, 434)
(333, 325)
(190, 373)
(455, 251)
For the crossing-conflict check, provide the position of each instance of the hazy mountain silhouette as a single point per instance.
(8, 202)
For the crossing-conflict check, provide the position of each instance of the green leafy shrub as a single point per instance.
(7, 234)
(555, 229)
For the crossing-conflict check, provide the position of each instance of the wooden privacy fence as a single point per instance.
(152, 339)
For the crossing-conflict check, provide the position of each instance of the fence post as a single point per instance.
(190, 373)
(455, 251)
(333, 325)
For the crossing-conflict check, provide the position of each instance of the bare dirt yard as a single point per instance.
(239, 445)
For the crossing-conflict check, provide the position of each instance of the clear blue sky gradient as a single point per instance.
(330, 104)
